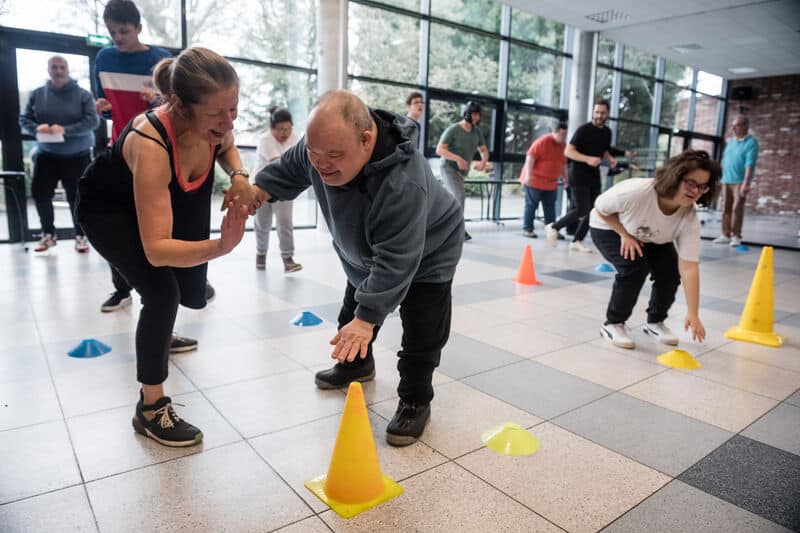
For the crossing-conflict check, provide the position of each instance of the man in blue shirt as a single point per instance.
(738, 169)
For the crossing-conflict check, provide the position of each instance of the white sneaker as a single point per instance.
(81, 244)
(577, 246)
(618, 335)
(736, 241)
(661, 332)
(48, 240)
(722, 239)
(551, 234)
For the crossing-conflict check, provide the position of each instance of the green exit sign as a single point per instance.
(98, 40)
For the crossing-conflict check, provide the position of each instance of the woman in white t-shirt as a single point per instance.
(272, 144)
(648, 226)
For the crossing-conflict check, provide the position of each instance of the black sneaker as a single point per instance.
(210, 293)
(408, 423)
(467, 236)
(342, 375)
(117, 300)
(166, 427)
(182, 344)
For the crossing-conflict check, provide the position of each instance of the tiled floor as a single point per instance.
(626, 444)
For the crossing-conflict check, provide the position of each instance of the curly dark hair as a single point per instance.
(672, 173)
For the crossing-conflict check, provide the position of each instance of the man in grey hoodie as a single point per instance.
(398, 234)
(59, 109)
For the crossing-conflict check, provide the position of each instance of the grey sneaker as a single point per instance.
(618, 335)
(165, 427)
(117, 300)
(529, 233)
(552, 234)
(722, 239)
(577, 246)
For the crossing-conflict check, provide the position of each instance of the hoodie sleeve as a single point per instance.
(288, 177)
(27, 120)
(396, 226)
(89, 119)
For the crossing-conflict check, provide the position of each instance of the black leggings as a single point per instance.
(584, 196)
(425, 313)
(659, 260)
(116, 237)
(47, 171)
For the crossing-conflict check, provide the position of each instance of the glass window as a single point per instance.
(512, 195)
(382, 96)
(634, 137)
(639, 61)
(705, 114)
(281, 31)
(675, 107)
(708, 83)
(636, 98)
(702, 144)
(678, 74)
(477, 13)
(603, 85)
(160, 18)
(536, 29)
(463, 61)
(534, 76)
(523, 126)
(411, 5)
(443, 114)
(261, 88)
(375, 35)
(605, 51)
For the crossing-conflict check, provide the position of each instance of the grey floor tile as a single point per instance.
(300, 291)
(536, 388)
(792, 320)
(309, 525)
(268, 325)
(754, 476)
(464, 356)
(779, 428)
(17, 409)
(577, 276)
(328, 312)
(36, 459)
(654, 436)
(225, 489)
(55, 511)
(26, 363)
(794, 399)
(680, 507)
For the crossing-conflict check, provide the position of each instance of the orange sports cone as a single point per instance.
(354, 482)
(756, 324)
(526, 275)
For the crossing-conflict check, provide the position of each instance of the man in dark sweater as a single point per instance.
(398, 234)
(588, 147)
(62, 117)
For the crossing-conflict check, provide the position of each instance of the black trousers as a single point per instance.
(116, 237)
(584, 195)
(659, 260)
(47, 171)
(425, 313)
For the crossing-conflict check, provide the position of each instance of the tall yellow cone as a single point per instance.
(756, 324)
(354, 482)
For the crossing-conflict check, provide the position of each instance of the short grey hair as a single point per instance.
(350, 107)
(743, 118)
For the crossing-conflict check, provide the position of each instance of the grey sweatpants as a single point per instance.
(283, 221)
(453, 180)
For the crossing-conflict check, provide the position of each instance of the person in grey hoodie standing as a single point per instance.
(61, 109)
(398, 234)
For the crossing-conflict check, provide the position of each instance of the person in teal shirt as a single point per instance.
(738, 169)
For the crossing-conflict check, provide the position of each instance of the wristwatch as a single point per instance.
(241, 172)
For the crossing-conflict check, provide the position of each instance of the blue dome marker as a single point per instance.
(742, 248)
(306, 318)
(89, 348)
(605, 267)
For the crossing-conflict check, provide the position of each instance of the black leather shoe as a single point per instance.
(342, 375)
(408, 423)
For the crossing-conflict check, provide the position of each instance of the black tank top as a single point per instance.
(107, 186)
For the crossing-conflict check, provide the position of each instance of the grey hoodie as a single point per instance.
(70, 106)
(393, 225)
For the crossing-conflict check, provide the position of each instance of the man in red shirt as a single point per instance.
(544, 163)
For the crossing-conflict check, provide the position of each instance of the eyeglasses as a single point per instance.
(692, 185)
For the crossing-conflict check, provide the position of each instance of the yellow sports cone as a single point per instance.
(510, 439)
(354, 482)
(679, 359)
(526, 275)
(756, 324)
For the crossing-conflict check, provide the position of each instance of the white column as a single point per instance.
(582, 79)
(331, 45)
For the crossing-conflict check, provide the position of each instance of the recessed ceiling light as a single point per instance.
(742, 70)
(686, 48)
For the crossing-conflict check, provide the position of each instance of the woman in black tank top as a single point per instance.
(145, 205)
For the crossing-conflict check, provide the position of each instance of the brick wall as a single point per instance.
(774, 114)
